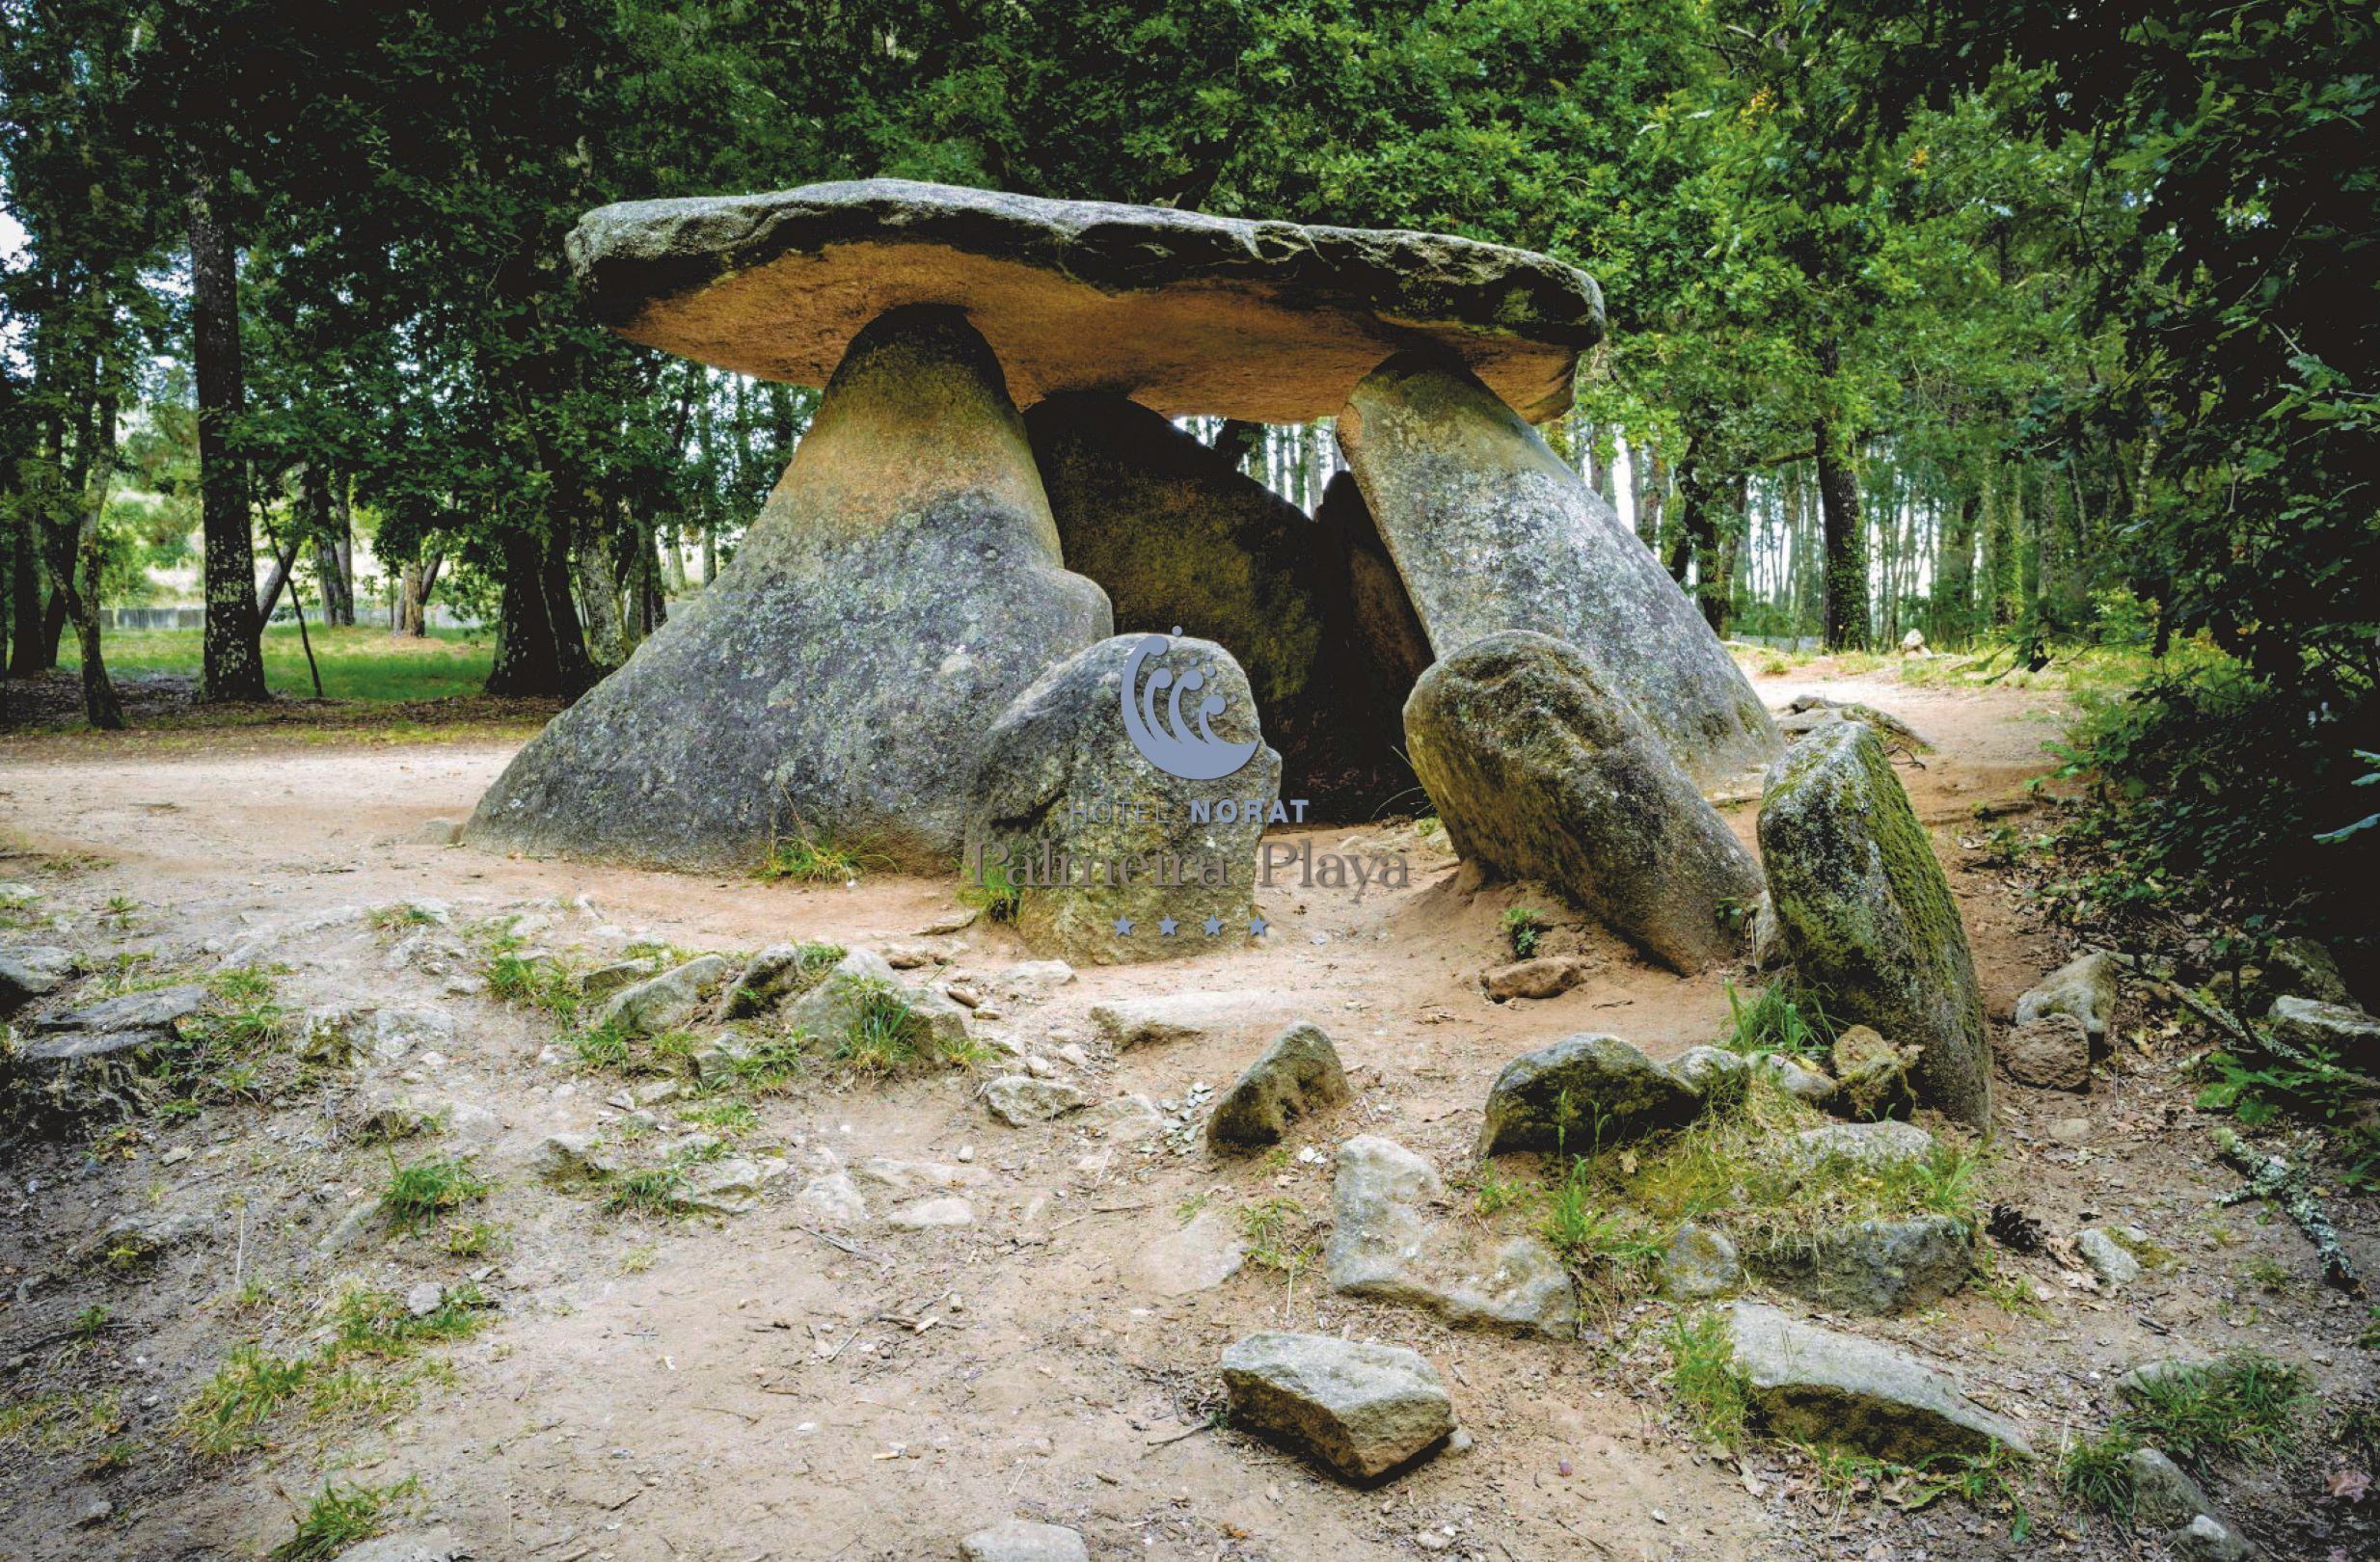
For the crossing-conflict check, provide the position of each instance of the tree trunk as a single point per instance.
(599, 590)
(1701, 535)
(235, 653)
(74, 561)
(25, 605)
(2000, 513)
(276, 576)
(343, 547)
(1954, 575)
(1846, 543)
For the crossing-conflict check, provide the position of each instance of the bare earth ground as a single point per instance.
(740, 1387)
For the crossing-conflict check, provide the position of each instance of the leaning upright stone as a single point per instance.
(1865, 915)
(1541, 772)
(1492, 532)
(900, 584)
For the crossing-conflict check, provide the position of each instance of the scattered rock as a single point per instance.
(779, 972)
(1819, 1385)
(1197, 1256)
(2107, 1258)
(1767, 940)
(1871, 1075)
(1031, 982)
(134, 1242)
(1717, 1076)
(1548, 976)
(728, 1186)
(929, 1213)
(1021, 1099)
(1871, 1146)
(154, 1010)
(1363, 1410)
(1866, 915)
(1386, 1244)
(2209, 1539)
(1873, 1266)
(667, 1001)
(440, 832)
(1126, 1120)
(831, 1199)
(1125, 1023)
(574, 1157)
(424, 1299)
(1701, 1263)
(610, 978)
(2137, 1383)
(418, 1546)
(2051, 1052)
(832, 1007)
(34, 971)
(2302, 968)
(1296, 1077)
(1808, 711)
(1612, 1091)
(1018, 1541)
(1542, 769)
(1799, 1080)
(2084, 987)
(2349, 1033)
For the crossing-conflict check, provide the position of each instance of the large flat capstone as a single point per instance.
(1182, 311)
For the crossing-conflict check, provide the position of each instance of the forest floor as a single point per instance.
(762, 1384)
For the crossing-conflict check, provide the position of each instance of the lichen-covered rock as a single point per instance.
(1871, 1075)
(1814, 1087)
(1363, 1410)
(1296, 1077)
(1808, 711)
(1114, 859)
(1817, 1385)
(1871, 1266)
(1581, 1091)
(778, 973)
(1492, 531)
(1182, 311)
(2109, 1259)
(2348, 1033)
(1021, 1099)
(1387, 1243)
(2051, 1052)
(900, 584)
(2304, 968)
(1868, 1146)
(1175, 533)
(667, 1001)
(1866, 915)
(32, 971)
(1542, 770)
(2084, 986)
(1700, 1264)
(151, 1011)
(835, 1003)
(1715, 1075)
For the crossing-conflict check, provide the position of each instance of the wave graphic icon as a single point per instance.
(1162, 738)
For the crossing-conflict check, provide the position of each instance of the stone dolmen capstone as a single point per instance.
(1866, 916)
(1540, 771)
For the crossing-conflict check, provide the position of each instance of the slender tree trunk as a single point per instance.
(1846, 543)
(276, 576)
(343, 547)
(599, 589)
(235, 654)
(75, 561)
(1953, 574)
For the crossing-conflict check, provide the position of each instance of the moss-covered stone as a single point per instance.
(1865, 914)
(1540, 771)
(1103, 848)
(1583, 1094)
(900, 586)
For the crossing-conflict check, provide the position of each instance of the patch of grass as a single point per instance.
(1427, 826)
(378, 1325)
(362, 662)
(1279, 1232)
(886, 1034)
(421, 1194)
(730, 1117)
(89, 1322)
(228, 1413)
(474, 1239)
(2097, 1472)
(1524, 926)
(1581, 1225)
(807, 858)
(651, 1190)
(60, 1423)
(1496, 1193)
(1702, 1371)
(997, 897)
(765, 1067)
(2245, 1406)
(340, 1517)
(1776, 1019)
(638, 1259)
(533, 980)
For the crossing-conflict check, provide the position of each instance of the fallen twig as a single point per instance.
(2284, 1181)
(2252, 1036)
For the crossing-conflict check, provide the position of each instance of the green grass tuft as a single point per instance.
(337, 1517)
(1702, 1370)
(1523, 927)
(418, 1194)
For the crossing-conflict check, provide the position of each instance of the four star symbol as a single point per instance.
(1167, 926)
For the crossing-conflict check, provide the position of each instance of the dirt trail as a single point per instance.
(744, 1387)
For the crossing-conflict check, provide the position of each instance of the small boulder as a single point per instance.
(667, 1001)
(1715, 1075)
(1814, 1087)
(1125, 1023)
(35, 971)
(2303, 968)
(830, 1198)
(1017, 1540)
(1386, 1243)
(613, 975)
(928, 1214)
(414, 1546)
(1873, 1266)
(573, 1158)
(2050, 1052)
(154, 1010)
(1866, 915)
(2348, 1033)
(1548, 976)
(1871, 1075)
(1541, 770)
(1296, 1077)
(1701, 1263)
(1612, 1092)
(834, 1006)
(1361, 1409)
(1869, 1146)
(1125, 1120)
(777, 973)
(1023, 1099)
(2084, 987)
(1818, 1385)
(1197, 1256)
(2109, 1259)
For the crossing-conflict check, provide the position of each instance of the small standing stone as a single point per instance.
(2050, 1052)
(2084, 987)
(1298, 1076)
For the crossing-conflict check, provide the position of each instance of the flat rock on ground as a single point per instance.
(1020, 1540)
(2084, 987)
(1612, 1092)
(1182, 311)
(1389, 1242)
(1824, 1387)
(1871, 1266)
(2049, 1052)
(1361, 1409)
(1125, 1023)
